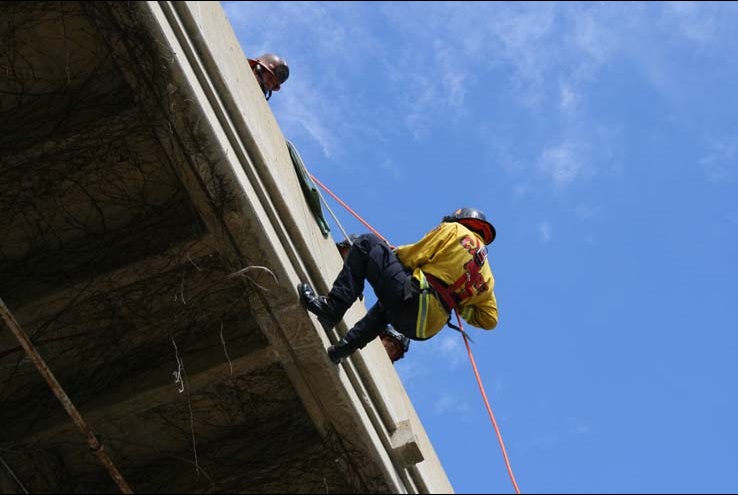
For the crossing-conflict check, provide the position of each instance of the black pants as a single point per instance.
(372, 260)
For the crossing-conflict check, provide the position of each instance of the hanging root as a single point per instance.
(178, 379)
(244, 271)
(230, 365)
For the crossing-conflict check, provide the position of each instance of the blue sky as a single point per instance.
(601, 139)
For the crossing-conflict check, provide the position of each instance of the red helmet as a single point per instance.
(475, 220)
(271, 70)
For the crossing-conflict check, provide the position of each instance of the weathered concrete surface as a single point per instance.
(140, 166)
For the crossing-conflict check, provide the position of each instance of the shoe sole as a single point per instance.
(326, 325)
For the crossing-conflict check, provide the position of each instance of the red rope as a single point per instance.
(350, 210)
(489, 408)
(466, 343)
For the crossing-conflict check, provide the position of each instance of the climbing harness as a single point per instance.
(465, 286)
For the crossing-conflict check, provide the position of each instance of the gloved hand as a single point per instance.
(345, 245)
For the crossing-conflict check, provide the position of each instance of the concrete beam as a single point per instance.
(148, 392)
(31, 313)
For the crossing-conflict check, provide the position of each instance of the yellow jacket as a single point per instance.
(443, 252)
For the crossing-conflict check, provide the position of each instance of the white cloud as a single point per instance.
(453, 404)
(447, 344)
(581, 429)
(413, 369)
(593, 35)
(448, 349)
(545, 441)
(443, 56)
(568, 99)
(391, 167)
(522, 31)
(443, 352)
(519, 191)
(299, 116)
(586, 212)
(498, 387)
(563, 163)
(692, 20)
(721, 159)
(544, 232)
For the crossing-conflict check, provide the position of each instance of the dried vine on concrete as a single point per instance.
(106, 262)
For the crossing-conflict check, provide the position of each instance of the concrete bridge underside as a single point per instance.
(140, 168)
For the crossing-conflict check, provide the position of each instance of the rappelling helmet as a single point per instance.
(475, 220)
(271, 69)
(395, 343)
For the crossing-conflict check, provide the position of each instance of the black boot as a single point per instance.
(340, 350)
(329, 310)
(365, 330)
